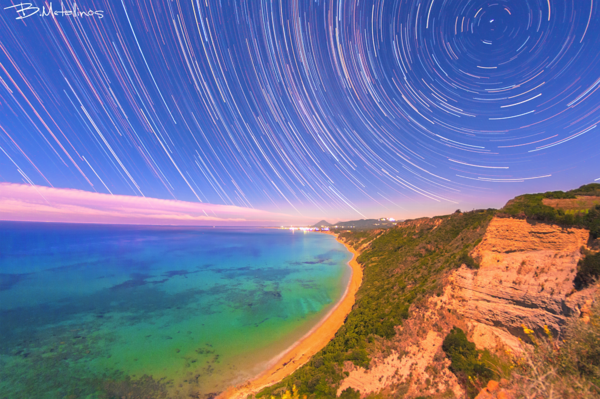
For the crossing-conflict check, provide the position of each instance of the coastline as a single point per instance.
(316, 339)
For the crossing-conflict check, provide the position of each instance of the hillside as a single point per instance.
(322, 223)
(365, 224)
(450, 303)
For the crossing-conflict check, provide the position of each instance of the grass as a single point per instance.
(576, 211)
(561, 368)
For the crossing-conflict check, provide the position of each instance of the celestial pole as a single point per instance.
(324, 108)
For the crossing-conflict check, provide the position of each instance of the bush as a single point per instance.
(588, 270)
(465, 259)
(561, 369)
(593, 221)
(592, 189)
(350, 393)
(359, 357)
(467, 362)
(580, 352)
(531, 207)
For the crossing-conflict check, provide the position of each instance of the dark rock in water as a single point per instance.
(129, 284)
(144, 387)
(259, 323)
(7, 281)
(314, 262)
(276, 294)
(184, 273)
(137, 280)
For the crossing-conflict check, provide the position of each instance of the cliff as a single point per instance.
(499, 278)
(525, 277)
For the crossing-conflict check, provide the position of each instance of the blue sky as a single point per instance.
(338, 109)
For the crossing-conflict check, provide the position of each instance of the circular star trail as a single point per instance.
(329, 108)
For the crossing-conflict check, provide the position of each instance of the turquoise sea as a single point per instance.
(98, 311)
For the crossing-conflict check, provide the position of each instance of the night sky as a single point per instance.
(338, 109)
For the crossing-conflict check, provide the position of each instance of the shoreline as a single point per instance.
(315, 340)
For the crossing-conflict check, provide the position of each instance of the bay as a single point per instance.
(104, 311)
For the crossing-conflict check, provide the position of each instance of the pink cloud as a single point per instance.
(20, 202)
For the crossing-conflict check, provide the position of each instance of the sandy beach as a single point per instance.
(305, 348)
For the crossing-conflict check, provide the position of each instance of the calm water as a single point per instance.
(106, 311)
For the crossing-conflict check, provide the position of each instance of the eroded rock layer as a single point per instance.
(525, 278)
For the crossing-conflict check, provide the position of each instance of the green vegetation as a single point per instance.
(465, 259)
(406, 265)
(531, 206)
(349, 393)
(592, 189)
(588, 269)
(357, 238)
(402, 267)
(473, 367)
(567, 368)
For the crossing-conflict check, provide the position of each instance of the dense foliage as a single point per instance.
(465, 259)
(588, 189)
(531, 206)
(357, 238)
(588, 270)
(472, 367)
(402, 266)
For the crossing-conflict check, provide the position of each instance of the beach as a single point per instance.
(301, 352)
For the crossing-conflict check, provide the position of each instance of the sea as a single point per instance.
(106, 311)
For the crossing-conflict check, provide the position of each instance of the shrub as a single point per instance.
(360, 357)
(465, 259)
(589, 189)
(580, 352)
(531, 206)
(350, 393)
(468, 363)
(561, 369)
(588, 270)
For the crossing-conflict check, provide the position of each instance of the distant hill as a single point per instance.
(365, 224)
(322, 223)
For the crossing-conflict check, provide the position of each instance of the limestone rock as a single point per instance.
(526, 278)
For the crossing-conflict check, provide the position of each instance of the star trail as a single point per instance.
(333, 108)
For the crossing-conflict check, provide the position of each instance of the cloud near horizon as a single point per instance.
(20, 202)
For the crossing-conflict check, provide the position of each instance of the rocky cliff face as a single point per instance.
(526, 278)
